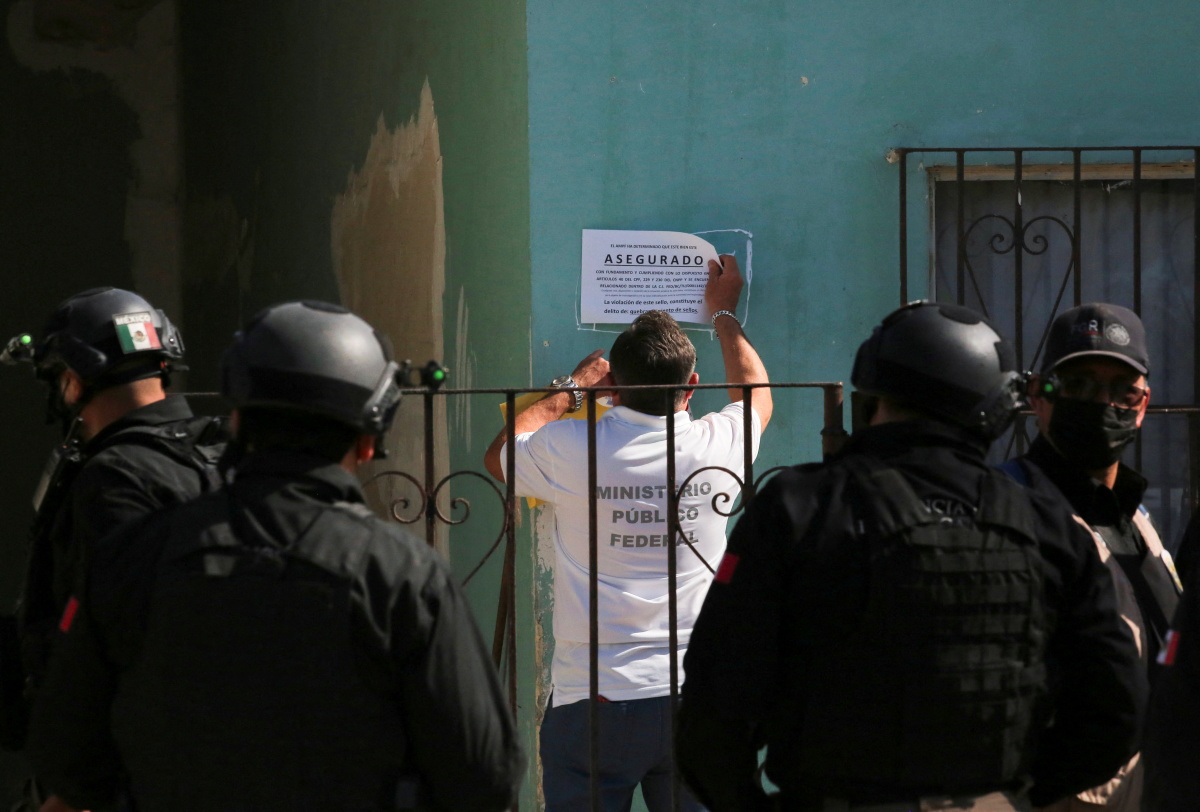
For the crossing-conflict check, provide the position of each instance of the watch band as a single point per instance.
(567, 384)
(728, 313)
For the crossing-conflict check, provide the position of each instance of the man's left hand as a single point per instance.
(593, 371)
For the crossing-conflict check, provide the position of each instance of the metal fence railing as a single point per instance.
(429, 505)
(431, 490)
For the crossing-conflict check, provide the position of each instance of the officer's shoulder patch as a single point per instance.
(725, 569)
(68, 615)
(1166, 655)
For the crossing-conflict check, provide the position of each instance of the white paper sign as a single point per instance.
(626, 273)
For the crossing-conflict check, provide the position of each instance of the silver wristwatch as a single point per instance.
(567, 382)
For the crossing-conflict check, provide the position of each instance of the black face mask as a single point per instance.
(1092, 435)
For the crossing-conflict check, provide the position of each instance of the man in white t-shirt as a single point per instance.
(634, 707)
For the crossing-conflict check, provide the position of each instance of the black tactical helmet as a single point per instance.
(317, 358)
(107, 336)
(945, 360)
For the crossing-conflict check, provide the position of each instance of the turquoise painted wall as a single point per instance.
(776, 117)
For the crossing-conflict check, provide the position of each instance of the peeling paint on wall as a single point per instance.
(146, 77)
(389, 255)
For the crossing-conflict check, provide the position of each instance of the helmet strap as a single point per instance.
(57, 408)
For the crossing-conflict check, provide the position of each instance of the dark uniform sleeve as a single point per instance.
(1099, 681)
(732, 663)
(1173, 731)
(462, 738)
(70, 744)
(71, 747)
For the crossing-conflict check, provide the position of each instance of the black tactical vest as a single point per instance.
(250, 692)
(936, 687)
(57, 561)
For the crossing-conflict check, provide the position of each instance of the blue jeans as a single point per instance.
(635, 748)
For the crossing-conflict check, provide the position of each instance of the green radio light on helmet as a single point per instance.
(19, 348)
(433, 375)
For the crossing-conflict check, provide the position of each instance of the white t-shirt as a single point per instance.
(631, 501)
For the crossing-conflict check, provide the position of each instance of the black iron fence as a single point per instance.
(430, 493)
(428, 505)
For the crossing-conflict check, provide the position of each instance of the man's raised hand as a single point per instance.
(593, 371)
(724, 285)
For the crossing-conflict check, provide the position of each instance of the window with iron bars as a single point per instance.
(1023, 234)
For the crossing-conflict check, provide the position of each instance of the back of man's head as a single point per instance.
(268, 429)
(652, 350)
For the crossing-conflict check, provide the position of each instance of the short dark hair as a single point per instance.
(260, 429)
(652, 350)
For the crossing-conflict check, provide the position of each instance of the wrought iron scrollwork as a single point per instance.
(460, 502)
(1001, 243)
(1036, 245)
(429, 504)
(719, 498)
(402, 503)
(722, 496)
(432, 512)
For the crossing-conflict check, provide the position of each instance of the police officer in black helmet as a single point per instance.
(903, 627)
(274, 645)
(106, 356)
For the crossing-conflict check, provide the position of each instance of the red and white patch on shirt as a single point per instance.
(68, 616)
(725, 569)
(1167, 655)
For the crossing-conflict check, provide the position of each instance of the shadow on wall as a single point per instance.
(51, 36)
(88, 139)
(105, 23)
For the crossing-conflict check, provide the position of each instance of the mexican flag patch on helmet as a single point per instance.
(136, 332)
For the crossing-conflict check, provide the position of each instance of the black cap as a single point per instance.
(1100, 329)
